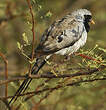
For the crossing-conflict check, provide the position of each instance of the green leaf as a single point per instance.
(39, 7)
(48, 14)
(25, 38)
(19, 46)
(104, 50)
(31, 62)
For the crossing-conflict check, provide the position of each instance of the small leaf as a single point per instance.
(104, 50)
(33, 1)
(39, 7)
(25, 38)
(31, 62)
(41, 17)
(19, 46)
(48, 14)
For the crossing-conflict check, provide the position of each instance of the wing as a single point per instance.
(61, 34)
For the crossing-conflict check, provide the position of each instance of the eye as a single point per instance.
(60, 39)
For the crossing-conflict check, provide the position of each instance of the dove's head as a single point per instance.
(83, 15)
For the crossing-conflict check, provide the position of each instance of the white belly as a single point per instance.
(70, 50)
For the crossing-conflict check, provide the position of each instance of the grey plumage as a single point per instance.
(63, 37)
(64, 33)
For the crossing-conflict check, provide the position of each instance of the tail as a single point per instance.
(37, 66)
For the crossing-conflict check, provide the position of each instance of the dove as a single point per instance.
(63, 37)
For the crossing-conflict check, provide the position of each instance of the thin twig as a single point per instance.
(6, 72)
(33, 32)
(37, 104)
(49, 92)
(88, 57)
(38, 87)
(38, 76)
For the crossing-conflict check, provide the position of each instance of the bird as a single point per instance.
(64, 37)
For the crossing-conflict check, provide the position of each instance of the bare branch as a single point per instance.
(54, 88)
(6, 72)
(33, 32)
(38, 76)
(88, 57)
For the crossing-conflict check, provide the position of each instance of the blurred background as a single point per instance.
(15, 20)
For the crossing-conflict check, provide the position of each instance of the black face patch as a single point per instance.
(86, 23)
(87, 27)
(87, 18)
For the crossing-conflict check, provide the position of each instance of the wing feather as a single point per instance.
(60, 34)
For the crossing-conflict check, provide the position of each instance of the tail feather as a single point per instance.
(35, 69)
(20, 89)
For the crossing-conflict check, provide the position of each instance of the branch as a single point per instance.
(6, 72)
(33, 32)
(54, 88)
(48, 93)
(88, 57)
(38, 87)
(38, 76)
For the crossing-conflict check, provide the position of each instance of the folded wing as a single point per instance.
(61, 34)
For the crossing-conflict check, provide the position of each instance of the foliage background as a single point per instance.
(91, 96)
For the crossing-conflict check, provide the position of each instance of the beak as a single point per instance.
(92, 21)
